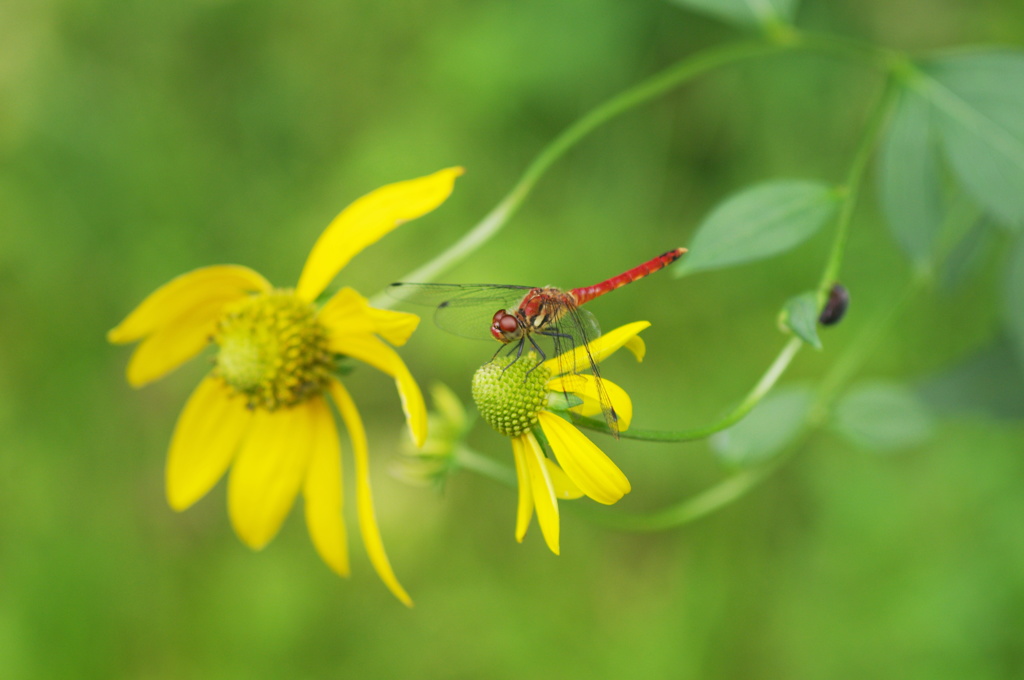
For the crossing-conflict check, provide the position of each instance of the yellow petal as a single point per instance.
(376, 353)
(395, 327)
(216, 286)
(364, 494)
(560, 482)
(636, 345)
(323, 490)
(543, 491)
(366, 221)
(587, 466)
(585, 387)
(348, 312)
(205, 441)
(172, 345)
(269, 471)
(600, 348)
(524, 510)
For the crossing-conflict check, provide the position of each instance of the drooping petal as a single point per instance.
(585, 387)
(376, 353)
(368, 219)
(564, 487)
(172, 345)
(543, 491)
(600, 348)
(323, 490)
(348, 312)
(637, 346)
(269, 471)
(524, 509)
(205, 440)
(587, 466)
(395, 327)
(364, 494)
(216, 286)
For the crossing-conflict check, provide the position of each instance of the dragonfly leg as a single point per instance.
(559, 349)
(543, 356)
(519, 353)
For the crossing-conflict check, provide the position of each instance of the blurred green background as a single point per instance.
(139, 140)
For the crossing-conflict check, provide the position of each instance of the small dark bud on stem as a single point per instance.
(835, 306)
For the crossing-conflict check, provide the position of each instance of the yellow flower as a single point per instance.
(263, 410)
(515, 397)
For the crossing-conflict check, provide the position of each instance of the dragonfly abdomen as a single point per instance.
(588, 293)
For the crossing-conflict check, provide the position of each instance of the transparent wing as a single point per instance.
(571, 336)
(465, 310)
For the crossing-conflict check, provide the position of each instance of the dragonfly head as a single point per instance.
(505, 327)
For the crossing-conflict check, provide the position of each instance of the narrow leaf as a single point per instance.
(800, 315)
(759, 222)
(767, 430)
(910, 179)
(883, 417)
(745, 12)
(979, 99)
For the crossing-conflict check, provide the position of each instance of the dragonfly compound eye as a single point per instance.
(508, 323)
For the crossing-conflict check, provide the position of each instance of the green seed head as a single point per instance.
(509, 394)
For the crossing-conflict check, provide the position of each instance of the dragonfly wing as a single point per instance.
(466, 317)
(462, 309)
(572, 336)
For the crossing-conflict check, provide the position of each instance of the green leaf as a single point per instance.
(767, 430)
(988, 383)
(910, 179)
(979, 101)
(800, 315)
(764, 220)
(974, 249)
(745, 12)
(1013, 296)
(882, 417)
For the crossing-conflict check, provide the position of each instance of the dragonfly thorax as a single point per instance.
(539, 308)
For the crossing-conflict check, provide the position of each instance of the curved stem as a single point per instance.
(850, 48)
(705, 503)
(672, 77)
(469, 459)
(736, 486)
(645, 91)
(852, 184)
(763, 386)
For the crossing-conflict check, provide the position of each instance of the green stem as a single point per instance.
(653, 87)
(705, 503)
(469, 459)
(852, 184)
(735, 487)
(763, 386)
(645, 91)
(849, 48)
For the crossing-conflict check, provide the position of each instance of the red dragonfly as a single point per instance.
(525, 312)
